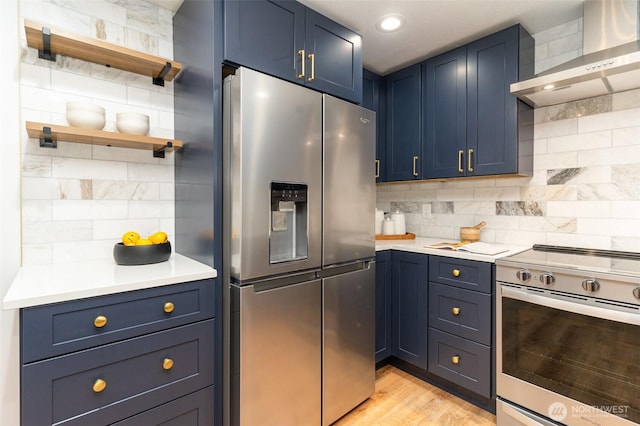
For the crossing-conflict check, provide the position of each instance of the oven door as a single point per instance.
(572, 359)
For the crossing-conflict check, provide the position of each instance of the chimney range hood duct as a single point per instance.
(610, 61)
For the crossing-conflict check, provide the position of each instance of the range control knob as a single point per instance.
(590, 285)
(523, 275)
(547, 279)
(636, 292)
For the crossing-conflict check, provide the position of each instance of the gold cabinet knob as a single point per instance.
(455, 359)
(169, 307)
(99, 385)
(100, 321)
(456, 272)
(167, 364)
(455, 310)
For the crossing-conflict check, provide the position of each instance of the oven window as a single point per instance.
(588, 359)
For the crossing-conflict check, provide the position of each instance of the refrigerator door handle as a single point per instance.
(283, 281)
(360, 265)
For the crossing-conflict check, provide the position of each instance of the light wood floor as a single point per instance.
(401, 400)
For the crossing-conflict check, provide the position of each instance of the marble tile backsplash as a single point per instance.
(78, 199)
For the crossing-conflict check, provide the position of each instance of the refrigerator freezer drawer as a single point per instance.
(276, 375)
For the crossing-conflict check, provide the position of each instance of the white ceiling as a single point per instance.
(433, 26)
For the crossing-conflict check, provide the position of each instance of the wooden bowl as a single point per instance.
(471, 233)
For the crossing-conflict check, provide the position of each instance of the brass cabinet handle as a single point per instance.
(168, 307)
(460, 154)
(455, 359)
(100, 321)
(377, 169)
(302, 60)
(99, 385)
(167, 364)
(469, 161)
(455, 310)
(313, 67)
(415, 159)
(456, 272)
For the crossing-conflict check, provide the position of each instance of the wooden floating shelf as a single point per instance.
(100, 137)
(101, 52)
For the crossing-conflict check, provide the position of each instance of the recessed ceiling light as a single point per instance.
(390, 23)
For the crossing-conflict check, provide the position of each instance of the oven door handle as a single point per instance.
(577, 308)
(519, 416)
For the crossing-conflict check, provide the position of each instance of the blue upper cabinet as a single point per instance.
(444, 125)
(404, 117)
(265, 35)
(288, 40)
(499, 126)
(374, 98)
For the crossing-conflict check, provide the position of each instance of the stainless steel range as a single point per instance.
(568, 337)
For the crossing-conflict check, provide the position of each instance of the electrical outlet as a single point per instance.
(426, 211)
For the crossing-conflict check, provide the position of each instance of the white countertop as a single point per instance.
(418, 246)
(42, 284)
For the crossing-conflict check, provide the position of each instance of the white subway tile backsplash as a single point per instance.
(151, 209)
(78, 251)
(88, 169)
(619, 155)
(114, 229)
(64, 82)
(89, 209)
(36, 165)
(579, 142)
(600, 209)
(57, 231)
(609, 121)
(626, 136)
(150, 172)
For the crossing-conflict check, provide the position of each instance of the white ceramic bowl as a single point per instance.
(133, 123)
(85, 115)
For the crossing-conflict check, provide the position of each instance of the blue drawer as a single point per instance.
(140, 372)
(61, 328)
(460, 361)
(464, 313)
(195, 409)
(467, 274)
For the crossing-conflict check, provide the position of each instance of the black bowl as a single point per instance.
(141, 255)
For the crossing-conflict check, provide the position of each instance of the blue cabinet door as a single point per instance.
(265, 35)
(383, 305)
(288, 40)
(334, 58)
(409, 294)
(404, 112)
(444, 121)
(494, 115)
(374, 98)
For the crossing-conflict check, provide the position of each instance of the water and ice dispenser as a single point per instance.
(288, 236)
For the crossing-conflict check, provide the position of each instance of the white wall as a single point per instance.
(9, 210)
(585, 189)
(78, 199)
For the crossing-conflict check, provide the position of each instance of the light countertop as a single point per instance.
(418, 246)
(42, 284)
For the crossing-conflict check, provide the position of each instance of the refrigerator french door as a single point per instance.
(348, 252)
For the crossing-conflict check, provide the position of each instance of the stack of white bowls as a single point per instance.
(85, 115)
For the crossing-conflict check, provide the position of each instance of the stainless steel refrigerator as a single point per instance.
(299, 253)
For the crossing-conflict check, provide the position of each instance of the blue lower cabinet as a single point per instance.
(383, 305)
(111, 382)
(195, 409)
(460, 361)
(409, 294)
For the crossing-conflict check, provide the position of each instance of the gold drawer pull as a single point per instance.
(167, 364)
(455, 310)
(99, 385)
(456, 272)
(100, 321)
(168, 307)
(455, 359)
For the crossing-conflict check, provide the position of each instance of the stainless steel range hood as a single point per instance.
(610, 64)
